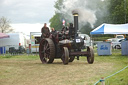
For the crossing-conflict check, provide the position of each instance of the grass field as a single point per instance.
(28, 70)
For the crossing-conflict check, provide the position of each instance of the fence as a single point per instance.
(102, 80)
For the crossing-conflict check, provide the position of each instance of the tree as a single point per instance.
(118, 9)
(5, 25)
(56, 20)
(58, 4)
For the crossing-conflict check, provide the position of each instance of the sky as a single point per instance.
(27, 15)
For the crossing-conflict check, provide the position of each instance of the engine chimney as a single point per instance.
(75, 22)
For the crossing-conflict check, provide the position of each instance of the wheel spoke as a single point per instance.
(46, 45)
(48, 56)
(45, 57)
(47, 48)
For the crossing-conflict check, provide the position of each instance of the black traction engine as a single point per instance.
(65, 45)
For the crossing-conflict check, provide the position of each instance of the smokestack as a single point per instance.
(75, 22)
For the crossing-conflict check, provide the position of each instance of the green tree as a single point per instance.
(56, 20)
(5, 25)
(118, 10)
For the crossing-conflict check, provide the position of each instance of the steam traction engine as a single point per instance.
(65, 45)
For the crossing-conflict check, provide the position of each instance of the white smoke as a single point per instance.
(86, 15)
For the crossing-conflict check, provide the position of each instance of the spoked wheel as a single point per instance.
(71, 59)
(90, 56)
(65, 56)
(47, 50)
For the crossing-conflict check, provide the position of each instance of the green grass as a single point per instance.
(28, 70)
(120, 62)
(118, 79)
(22, 56)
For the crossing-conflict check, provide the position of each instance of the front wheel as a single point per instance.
(65, 55)
(90, 56)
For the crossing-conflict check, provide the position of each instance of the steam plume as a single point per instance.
(86, 15)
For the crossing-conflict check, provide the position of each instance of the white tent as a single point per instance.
(111, 29)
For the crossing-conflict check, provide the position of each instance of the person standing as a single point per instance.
(45, 31)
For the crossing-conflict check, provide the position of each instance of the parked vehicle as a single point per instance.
(15, 40)
(116, 37)
(119, 36)
(35, 41)
(12, 50)
(116, 43)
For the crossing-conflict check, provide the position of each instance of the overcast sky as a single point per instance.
(27, 13)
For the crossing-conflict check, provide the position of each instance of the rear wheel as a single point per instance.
(65, 56)
(47, 50)
(90, 56)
